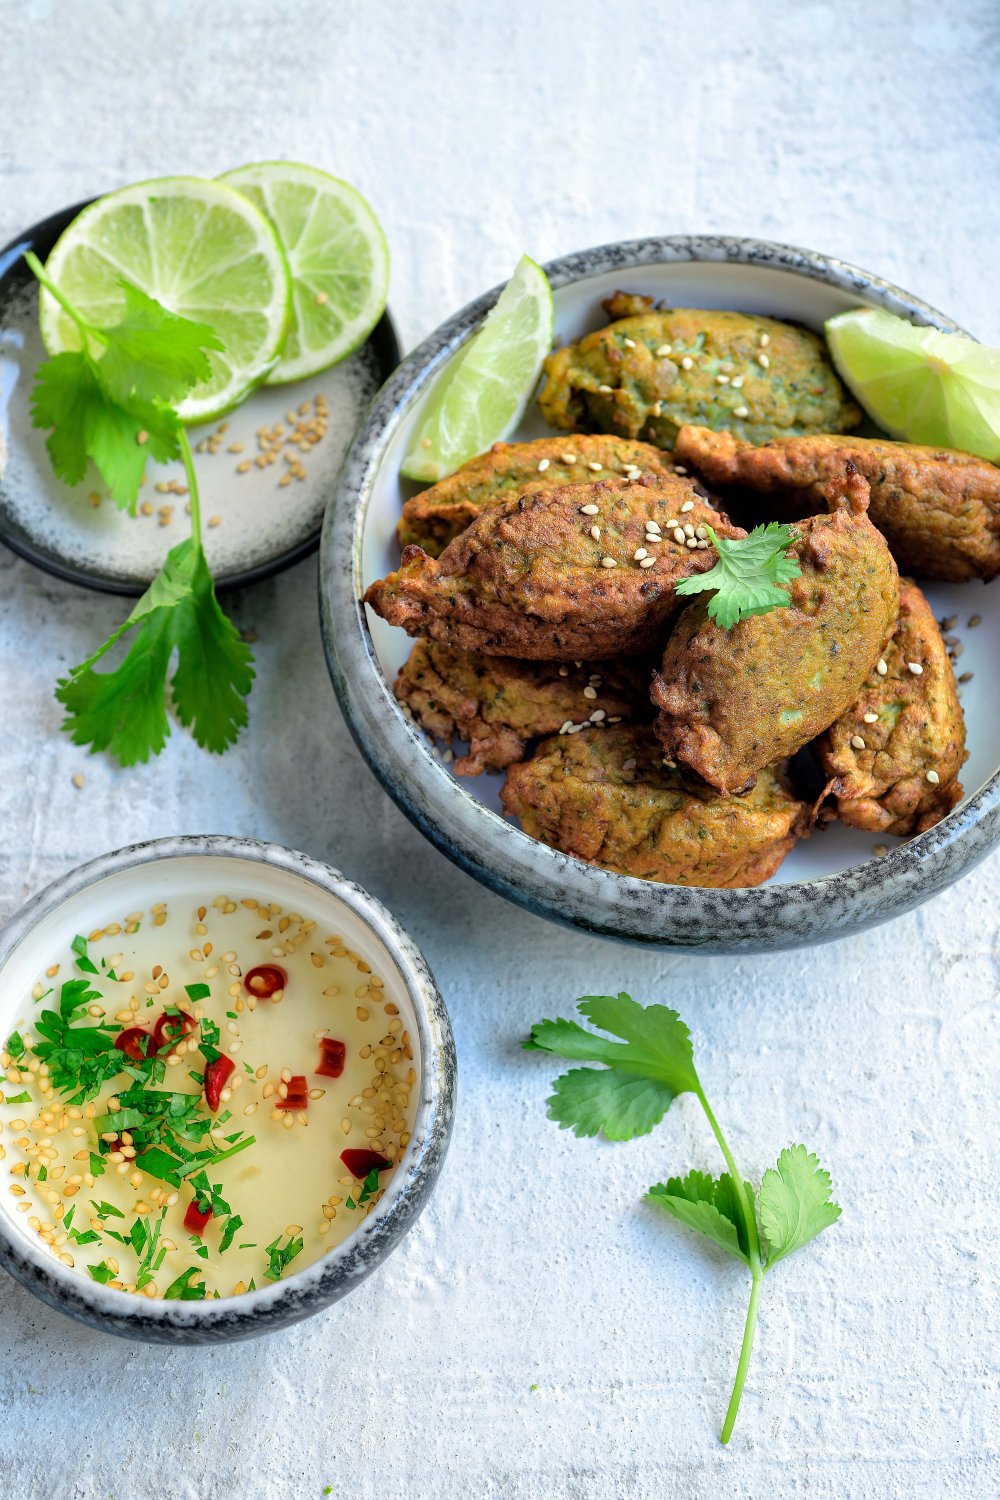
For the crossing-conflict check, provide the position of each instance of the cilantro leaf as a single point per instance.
(795, 1203)
(648, 1068)
(124, 710)
(151, 353)
(280, 1256)
(706, 1204)
(184, 1290)
(748, 575)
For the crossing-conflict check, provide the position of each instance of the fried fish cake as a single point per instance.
(435, 517)
(938, 509)
(586, 572)
(497, 705)
(893, 758)
(734, 701)
(647, 375)
(606, 796)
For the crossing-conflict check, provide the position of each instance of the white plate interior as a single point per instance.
(191, 880)
(745, 288)
(256, 519)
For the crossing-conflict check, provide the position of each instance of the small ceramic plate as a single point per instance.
(830, 883)
(254, 525)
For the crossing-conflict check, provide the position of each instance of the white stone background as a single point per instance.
(867, 129)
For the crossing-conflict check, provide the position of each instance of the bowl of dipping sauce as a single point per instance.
(227, 1089)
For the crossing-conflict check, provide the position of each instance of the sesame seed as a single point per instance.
(765, 339)
(569, 458)
(594, 466)
(880, 851)
(691, 541)
(590, 693)
(679, 470)
(687, 362)
(543, 465)
(737, 382)
(608, 562)
(565, 729)
(870, 718)
(741, 411)
(664, 350)
(688, 505)
(965, 677)
(933, 778)
(590, 510)
(679, 535)
(700, 532)
(639, 554)
(652, 525)
(597, 716)
(564, 671)
(688, 529)
(647, 562)
(857, 742)
(881, 668)
(703, 542)
(653, 536)
(595, 532)
(722, 379)
(78, 780)
(915, 668)
(629, 343)
(763, 361)
(605, 390)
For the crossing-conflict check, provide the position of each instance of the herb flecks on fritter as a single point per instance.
(497, 705)
(436, 516)
(734, 701)
(938, 509)
(647, 375)
(607, 797)
(586, 572)
(893, 758)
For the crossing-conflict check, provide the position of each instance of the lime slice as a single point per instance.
(202, 250)
(920, 384)
(484, 392)
(338, 258)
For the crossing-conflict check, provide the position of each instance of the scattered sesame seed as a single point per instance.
(880, 851)
(564, 671)
(664, 350)
(741, 411)
(565, 728)
(652, 525)
(605, 390)
(608, 562)
(594, 466)
(215, 521)
(78, 780)
(639, 554)
(700, 532)
(965, 677)
(569, 458)
(703, 542)
(857, 742)
(737, 382)
(543, 465)
(870, 718)
(933, 778)
(881, 668)
(688, 529)
(598, 716)
(595, 532)
(647, 562)
(688, 505)
(590, 692)
(765, 339)
(590, 510)
(322, 297)
(722, 379)
(687, 362)
(142, 438)
(679, 535)
(763, 361)
(679, 470)
(629, 343)
(915, 668)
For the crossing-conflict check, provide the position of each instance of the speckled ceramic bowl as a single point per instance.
(830, 884)
(182, 866)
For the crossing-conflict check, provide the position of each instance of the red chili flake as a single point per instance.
(359, 1161)
(298, 1094)
(171, 1029)
(265, 981)
(196, 1219)
(216, 1077)
(332, 1056)
(135, 1042)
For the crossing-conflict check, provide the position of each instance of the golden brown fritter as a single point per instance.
(606, 796)
(435, 517)
(878, 772)
(497, 705)
(647, 375)
(558, 575)
(938, 509)
(733, 701)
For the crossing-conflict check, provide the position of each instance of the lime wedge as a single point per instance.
(337, 255)
(202, 250)
(920, 384)
(484, 392)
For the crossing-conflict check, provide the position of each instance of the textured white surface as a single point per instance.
(477, 131)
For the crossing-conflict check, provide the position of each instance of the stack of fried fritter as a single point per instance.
(541, 582)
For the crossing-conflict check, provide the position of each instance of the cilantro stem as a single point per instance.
(749, 1214)
(187, 458)
(38, 271)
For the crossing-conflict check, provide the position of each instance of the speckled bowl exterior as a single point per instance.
(555, 885)
(325, 1281)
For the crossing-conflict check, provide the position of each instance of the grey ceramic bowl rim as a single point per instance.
(503, 858)
(303, 1292)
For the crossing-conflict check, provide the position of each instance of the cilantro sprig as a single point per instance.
(641, 1074)
(113, 402)
(747, 578)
